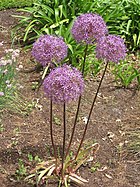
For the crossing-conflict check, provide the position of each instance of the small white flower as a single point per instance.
(7, 81)
(9, 61)
(1, 43)
(3, 62)
(85, 120)
(118, 120)
(5, 71)
(17, 51)
(8, 50)
(9, 85)
(20, 66)
(1, 93)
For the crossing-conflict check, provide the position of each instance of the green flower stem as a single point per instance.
(51, 133)
(93, 103)
(64, 139)
(78, 107)
(84, 62)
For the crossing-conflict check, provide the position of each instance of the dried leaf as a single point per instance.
(78, 177)
(42, 173)
(51, 171)
(108, 176)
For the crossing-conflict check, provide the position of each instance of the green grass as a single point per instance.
(4, 4)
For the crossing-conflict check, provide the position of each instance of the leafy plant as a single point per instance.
(125, 73)
(1, 128)
(56, 17)
(51, 17)
(10, 97)
(95, 167)
(122, 18)
(48, 170)
(21, 171)
(132, 29)
(31, 158)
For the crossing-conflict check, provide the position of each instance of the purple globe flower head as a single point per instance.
(89, 27)
(64, 84)
(49, 49)
(111, 48)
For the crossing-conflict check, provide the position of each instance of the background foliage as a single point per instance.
(15, 3)
(45, 16)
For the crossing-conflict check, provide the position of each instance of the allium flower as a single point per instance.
(89, 27)
(48, 49)
(111, 48)
(64, 84)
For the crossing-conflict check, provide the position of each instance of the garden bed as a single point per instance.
(114, 125)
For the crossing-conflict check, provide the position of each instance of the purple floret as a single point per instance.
(64, 84)
(49, 49)
(111, 48)
(88, 28)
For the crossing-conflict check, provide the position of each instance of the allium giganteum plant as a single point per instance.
(65, 83)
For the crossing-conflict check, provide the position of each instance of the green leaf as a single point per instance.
(129, 80)
(61, 10)
(46, 30)
(57, 121)
(135, 39)
(28, 28)
(27, 9)
(56, 12)
(42, 173)
(49, 9)
(70, 47)
(128, 25)
(58, 23)
(138, 39)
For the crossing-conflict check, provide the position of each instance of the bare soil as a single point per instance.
(114, 125)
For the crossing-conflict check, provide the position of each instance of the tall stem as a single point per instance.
(84, 62)
(93, 103)
(78, 107)
(64, 139)
(51, 132)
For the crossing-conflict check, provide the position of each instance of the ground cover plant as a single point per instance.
(10, 97)
(24, 140)
(14, 3)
